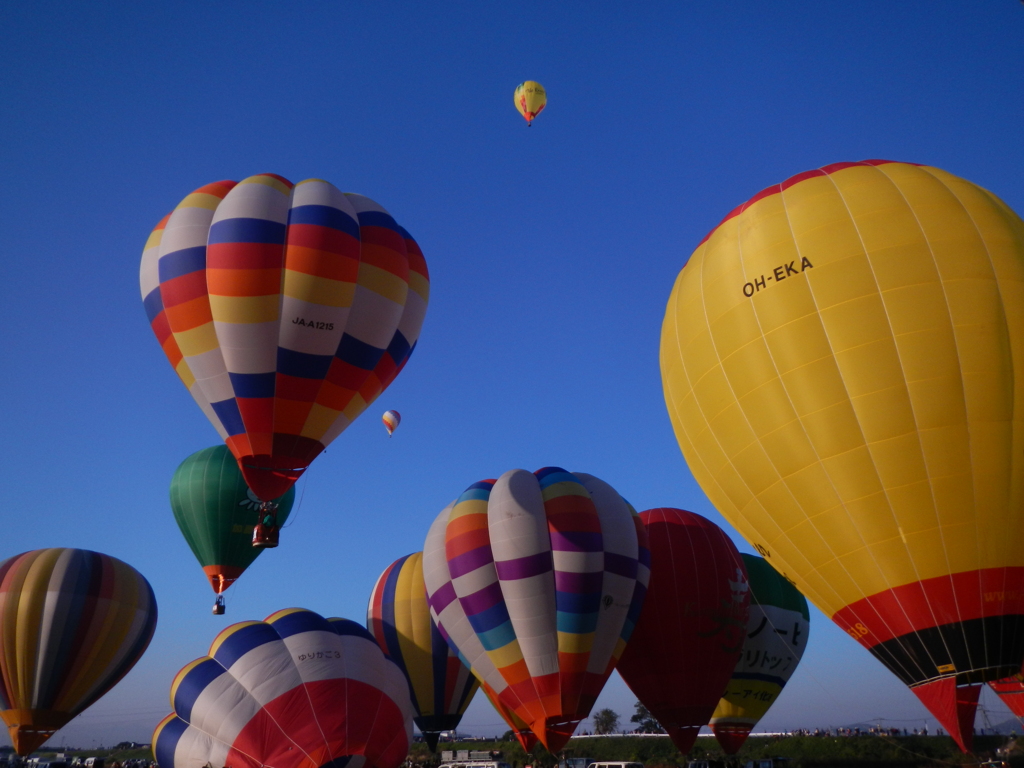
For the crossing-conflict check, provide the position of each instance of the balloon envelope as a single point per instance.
(537, 579)
(1011, 691)
(391, 421)
(691, 630)
(72, 624)
(216, 512)
(777, 632)
(294, 691)
(839, 359)
(530, 99)
(526, 737)
(398, 617)
(285, 309)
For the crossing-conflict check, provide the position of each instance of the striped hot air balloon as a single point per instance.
(286, 310)
(294, 691)
(391, 421)
(840, 364)
(72, 624)
(215, 511)
(777, 631)
(398, 617)
(537, 579)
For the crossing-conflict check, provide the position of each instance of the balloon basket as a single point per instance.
(266, 533)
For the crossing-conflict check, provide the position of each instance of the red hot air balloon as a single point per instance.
(286, 310)
(1011, 691)
(691, 630)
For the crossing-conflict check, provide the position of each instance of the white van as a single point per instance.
(616, 765)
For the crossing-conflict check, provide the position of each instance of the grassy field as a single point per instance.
(804, 751)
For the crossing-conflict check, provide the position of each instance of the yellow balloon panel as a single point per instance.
(530, 99)
(838, 363)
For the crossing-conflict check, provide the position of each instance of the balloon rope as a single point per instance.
(293, 517)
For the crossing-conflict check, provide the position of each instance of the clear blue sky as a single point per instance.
(552, 251)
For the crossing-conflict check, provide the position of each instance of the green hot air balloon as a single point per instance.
(216, 512)
(777, 631)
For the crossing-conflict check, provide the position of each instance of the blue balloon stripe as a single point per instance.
(253, 385)
(243, 230)
(302, 364)
(182, 262)
(358, 353)
(578, 602)
(324, 216)
(243, 640)
(167, 742)
(349, 628)
(379, 219)
(300, 621)
(229, 415)
(576, 623)
(153, 304)
(193, 684)
(439, 655)
(498, 637)
(551, 475)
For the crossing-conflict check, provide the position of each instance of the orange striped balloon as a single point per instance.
(286, 310)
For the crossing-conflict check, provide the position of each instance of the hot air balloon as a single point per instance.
(285, 309)
(839, 363)
(526, 737)
(293, 691)
(777, 631)
(398, 617)
(530, 99)
(214, 509)
(391, 421)
(537, 579)
(72, 624)
(691, 630)
(1011, 691)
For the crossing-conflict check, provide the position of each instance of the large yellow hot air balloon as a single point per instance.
(839, 359)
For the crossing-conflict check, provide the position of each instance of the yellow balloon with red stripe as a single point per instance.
(530, 99)
(839, 361)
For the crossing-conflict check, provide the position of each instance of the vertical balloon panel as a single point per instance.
(399, 619)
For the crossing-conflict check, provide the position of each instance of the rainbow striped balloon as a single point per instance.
(285, 310)
(391, 421)
(399, 619)
(72, 624)
(294, 691)
(538, 579)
